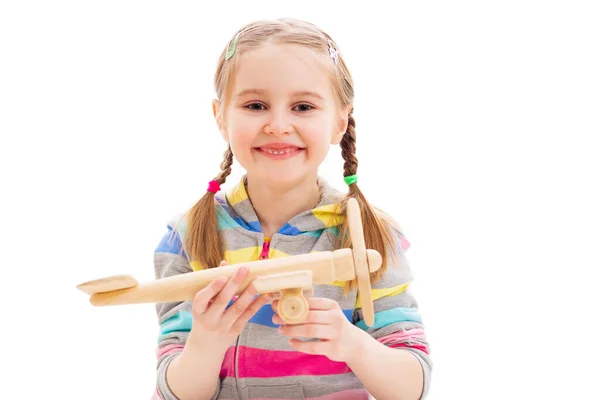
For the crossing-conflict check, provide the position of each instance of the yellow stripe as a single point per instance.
(242, 255)
(274, 253)
(329, 215)
(235, 256)
(196, 265)
(379, 293)
(237, 194)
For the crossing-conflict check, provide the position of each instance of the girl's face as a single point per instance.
(282, 115)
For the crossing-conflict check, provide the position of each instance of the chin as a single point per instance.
(283, 176)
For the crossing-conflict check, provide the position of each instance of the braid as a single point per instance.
(377, 236)
(202, 239)
(225, 166)
(348, 145)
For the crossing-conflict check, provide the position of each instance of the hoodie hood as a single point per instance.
(234, 210)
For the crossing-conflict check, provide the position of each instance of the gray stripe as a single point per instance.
(178, 337)
(310, 385)
(161, 380)
(404, 299)
(236, 241)
(268, 338)
(245, 210)
(396, 274)
(393, 328)
(299, 245)
(426, 365)
(166, 265)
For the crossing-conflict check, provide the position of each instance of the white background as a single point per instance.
(481, 117)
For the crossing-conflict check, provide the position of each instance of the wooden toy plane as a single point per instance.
(290, 277)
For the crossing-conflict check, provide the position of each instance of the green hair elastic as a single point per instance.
(231, 47)
(350, 179)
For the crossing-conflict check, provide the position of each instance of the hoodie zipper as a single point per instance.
(265, 251)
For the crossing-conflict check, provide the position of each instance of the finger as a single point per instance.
(321, 303)
(226, 294)
(223, 263)
(251, 311)
(239, 306)
(315, 331)
(204, 297)
(319, 348)
(313, 317)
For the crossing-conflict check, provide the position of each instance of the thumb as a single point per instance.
(223, 263)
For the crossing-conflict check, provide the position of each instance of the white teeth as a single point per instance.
(276, 152)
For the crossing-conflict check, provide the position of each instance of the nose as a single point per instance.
(278, 123)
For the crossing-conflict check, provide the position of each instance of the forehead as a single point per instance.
(283, 69)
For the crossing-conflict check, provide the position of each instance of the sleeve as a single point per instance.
(174, 319)
(398, 322)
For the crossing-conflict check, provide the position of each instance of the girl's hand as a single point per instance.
(212, 322)
(325, 321)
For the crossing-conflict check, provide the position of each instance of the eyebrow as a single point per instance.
(262, 92)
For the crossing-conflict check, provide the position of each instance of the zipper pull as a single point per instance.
(265, 251)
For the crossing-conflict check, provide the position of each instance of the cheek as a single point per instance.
(241, 134)
(320, 139)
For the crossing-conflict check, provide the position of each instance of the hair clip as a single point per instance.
(231, 47)
(333, 53)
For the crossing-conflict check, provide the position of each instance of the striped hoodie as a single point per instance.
(260, 364)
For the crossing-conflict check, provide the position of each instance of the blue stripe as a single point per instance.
(391, 316)
(180, 322)
(225, 221)
(264, 316)
(290, 230)
(170, 243)
(333, 231)
(315, 234)
(251, 226)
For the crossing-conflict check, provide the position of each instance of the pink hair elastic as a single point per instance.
(213, 186)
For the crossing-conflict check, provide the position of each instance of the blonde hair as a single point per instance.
(202, 243)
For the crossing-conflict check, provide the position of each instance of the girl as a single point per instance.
(284, 96)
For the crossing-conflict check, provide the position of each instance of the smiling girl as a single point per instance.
(284, 98)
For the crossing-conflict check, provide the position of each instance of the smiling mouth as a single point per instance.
(280, 153)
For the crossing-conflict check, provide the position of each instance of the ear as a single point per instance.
(342, 125)
(219, 120)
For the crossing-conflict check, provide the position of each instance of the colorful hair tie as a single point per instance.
(350, 179)
(213, 186)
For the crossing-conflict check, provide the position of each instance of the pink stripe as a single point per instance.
(412, 346)
(400, 339)
(403, 336)
(355, 394)
(404, 243)
(168, 349)
(156, 396)
(259, 363)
